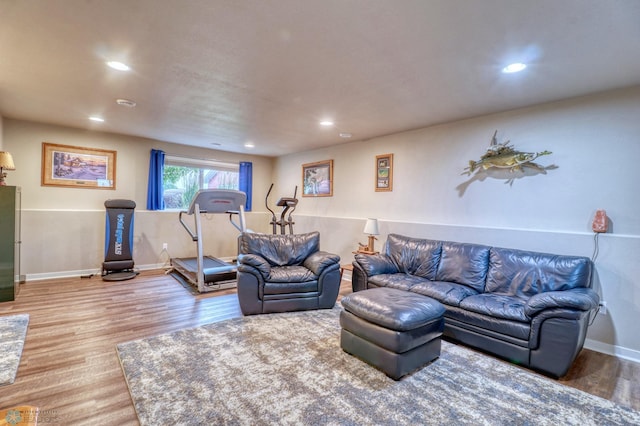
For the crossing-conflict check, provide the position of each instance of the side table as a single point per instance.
(345, 267)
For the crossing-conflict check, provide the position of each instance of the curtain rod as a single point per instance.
(191, 157)
(204, 161)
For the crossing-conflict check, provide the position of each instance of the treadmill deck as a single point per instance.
(216, 272)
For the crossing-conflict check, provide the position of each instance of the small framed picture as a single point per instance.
(384, 172)
(78, 167)
(317, 179)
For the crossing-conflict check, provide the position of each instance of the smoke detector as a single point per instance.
(126, 103)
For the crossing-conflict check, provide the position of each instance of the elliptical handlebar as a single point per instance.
(289, 205)
(273, 214)
(294, 203)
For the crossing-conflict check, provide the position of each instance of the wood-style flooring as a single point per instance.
(70, 370)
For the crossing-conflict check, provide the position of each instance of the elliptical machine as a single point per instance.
(288, 205)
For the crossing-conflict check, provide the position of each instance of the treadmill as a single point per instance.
(207, 273)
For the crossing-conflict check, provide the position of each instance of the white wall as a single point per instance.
(63, 228)
(595, 147)
(595, 142)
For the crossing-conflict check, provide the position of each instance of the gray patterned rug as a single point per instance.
(13, 330)
(289, 369)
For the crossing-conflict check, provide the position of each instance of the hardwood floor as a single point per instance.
(70, 370)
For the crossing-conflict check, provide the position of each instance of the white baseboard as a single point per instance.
(84, 272)
(617, 351)
(62, 274)
(97, 271)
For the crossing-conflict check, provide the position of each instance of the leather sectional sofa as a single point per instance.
(530, 308)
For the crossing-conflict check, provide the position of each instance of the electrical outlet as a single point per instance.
(603, 308)
(165, 246)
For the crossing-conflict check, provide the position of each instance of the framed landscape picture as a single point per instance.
(384, 172)
(77, 167)
(317, 179)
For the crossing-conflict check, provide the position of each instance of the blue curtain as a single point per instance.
(155, 200)
(246, 181)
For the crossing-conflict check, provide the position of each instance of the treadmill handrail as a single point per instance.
(217, 201)
(242, 226)
(221, 201)
(239, 226)
(194, 237)
(211, 201)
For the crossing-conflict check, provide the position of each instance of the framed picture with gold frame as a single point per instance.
(78, 167)
(384, 172)
(317, 179)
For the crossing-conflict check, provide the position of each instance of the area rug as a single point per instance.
(13, 331)
(289, 369)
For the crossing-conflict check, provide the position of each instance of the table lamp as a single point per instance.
(6, 163)
(371, 228)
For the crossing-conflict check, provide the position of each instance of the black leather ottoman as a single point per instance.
(393, 330)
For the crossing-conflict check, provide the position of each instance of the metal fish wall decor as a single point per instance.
(504, 156)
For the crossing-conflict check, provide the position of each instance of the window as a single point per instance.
(183, 177)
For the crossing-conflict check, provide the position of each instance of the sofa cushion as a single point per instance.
(280, 250)
(444, 292)
(414, 256)
(464, 264)
(497, 305)
(525, 273)
(290, 288)
(505, 330)
(399, 281)
(290, 274)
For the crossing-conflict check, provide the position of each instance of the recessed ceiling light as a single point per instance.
(515, 67)
(249, 145)
(98, 119)
(345, 135)
(326, 123)
(118, 66)
(126, 102)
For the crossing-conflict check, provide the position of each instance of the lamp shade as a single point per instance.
(371, 227)
(6, 161)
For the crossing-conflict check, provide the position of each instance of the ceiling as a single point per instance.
(221, 73)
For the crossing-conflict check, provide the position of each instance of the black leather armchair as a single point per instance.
(282, 273)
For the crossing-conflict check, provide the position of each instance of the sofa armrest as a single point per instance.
(582, 299)
(257, 262)
(319, 261)
(376, 264)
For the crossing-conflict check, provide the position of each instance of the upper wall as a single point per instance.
(595, 142)
(63, 228)
(594, 165)
(24, 140)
